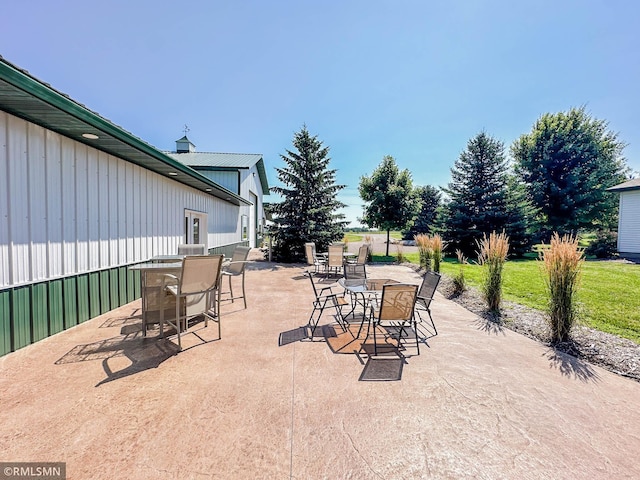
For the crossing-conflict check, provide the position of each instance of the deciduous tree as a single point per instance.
(567, 162)
(390, 200)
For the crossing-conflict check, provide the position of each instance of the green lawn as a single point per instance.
(359, 237)
(609, 291)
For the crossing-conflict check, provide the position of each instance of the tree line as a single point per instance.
(552, 179)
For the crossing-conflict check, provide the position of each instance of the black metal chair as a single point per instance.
(325, 297)
(426, 292)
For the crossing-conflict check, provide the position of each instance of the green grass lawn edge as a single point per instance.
(607, 296)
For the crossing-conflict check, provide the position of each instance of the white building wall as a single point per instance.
(629, 222)
(251, 189)
(66, 208)
(225, 178)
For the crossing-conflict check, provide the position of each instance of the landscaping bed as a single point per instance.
(616, 354)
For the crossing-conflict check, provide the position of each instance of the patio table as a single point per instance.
(366, 290)
(155, 303)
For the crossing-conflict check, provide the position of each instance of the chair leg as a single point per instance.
(435, 330)
(178, 322)
(231, 289)
(244, 295)
(339, 317)
(313, 322)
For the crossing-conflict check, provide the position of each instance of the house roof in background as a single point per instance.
(633, 184)
(24, 96)
(224, 161)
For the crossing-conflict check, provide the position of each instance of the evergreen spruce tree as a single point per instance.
(430, 201)
(308, 212)
(479, 198)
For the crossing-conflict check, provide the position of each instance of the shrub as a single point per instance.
(459, 282)
(605, 245)
(400, 250)
(562, 262)
(492, 255)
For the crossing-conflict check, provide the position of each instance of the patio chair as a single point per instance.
(193, 290)
(427, 289)
(354, 275)
(312, 258)
(236, 268)
(363, 254)
(192, 249)
(325, 297)
(395, 309)
(335, 260)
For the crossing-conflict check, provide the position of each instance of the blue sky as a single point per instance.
(411, 79)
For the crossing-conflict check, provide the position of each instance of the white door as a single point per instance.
(195, 227)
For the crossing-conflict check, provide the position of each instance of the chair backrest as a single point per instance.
(310, 252)
(192, 249)
(363, 253)
(355, 274)
(313, 285)
(428, 288)
(335, 256)
(200, 274)
(398, 301)
(240, 255)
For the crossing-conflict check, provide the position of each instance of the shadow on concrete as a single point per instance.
(487, 323)
(571, 366)
(131, 352)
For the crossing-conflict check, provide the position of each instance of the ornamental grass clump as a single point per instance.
(368, 241)
(562, 263)
(492, 255)
(425, 250)
(400, 250)
(437, 249)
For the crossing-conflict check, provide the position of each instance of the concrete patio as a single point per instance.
(477, 403)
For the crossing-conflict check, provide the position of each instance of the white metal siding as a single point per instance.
(629, 222)
(4, 202)
(66, 208)
(226, 179)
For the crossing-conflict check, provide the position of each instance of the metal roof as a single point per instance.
(633, 184)
(223, 161)
(26, 97)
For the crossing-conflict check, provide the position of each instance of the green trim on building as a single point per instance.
(5, 322)
(30, 313)
(227, 250)
(56, 307)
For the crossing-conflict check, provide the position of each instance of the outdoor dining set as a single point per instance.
(385, 309)
(177, 288)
